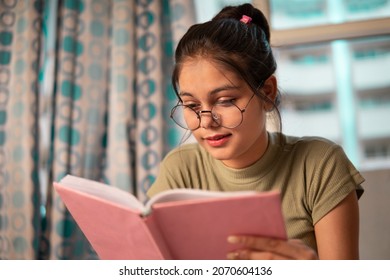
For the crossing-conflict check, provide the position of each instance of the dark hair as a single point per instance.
(242, 48)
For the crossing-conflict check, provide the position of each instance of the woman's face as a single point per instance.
(202, 84)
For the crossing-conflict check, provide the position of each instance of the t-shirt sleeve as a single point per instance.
(334, 178)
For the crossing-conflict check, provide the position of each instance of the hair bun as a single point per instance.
(236, 12)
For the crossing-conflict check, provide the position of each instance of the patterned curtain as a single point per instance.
(20, 29)
(101, 101)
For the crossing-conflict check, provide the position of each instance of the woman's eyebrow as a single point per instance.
(214, 91)
(183, 93)
(223, 88)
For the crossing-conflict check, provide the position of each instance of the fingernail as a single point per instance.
(233, 239)
(232, 256)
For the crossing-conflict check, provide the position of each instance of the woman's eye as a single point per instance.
(192, 105)
(225, 102)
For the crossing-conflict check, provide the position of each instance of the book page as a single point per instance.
(103, 191)
(191, 194)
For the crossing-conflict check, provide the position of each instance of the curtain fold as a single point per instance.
(79, 109)
(20, 32)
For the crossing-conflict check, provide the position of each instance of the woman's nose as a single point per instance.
(207, 119)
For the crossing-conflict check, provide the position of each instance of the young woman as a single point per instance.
(225, 83)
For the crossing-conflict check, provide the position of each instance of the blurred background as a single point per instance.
(85, 89)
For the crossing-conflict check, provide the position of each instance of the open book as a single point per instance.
(175, 224)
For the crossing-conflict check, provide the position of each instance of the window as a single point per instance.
(304, 13)
(377, 150)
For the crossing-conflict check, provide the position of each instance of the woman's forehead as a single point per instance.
(207, 70)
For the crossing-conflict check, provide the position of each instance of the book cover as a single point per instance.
(176, 224)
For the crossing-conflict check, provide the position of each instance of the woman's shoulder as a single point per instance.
(309, 149)
(310, 144)
(317, 154)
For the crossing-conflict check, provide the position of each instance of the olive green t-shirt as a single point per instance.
(312, 174)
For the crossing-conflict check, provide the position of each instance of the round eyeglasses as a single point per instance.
(224, 113)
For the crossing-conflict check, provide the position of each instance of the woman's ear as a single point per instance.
(270, 90)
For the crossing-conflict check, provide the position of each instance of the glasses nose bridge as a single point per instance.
(214, 118)
(200, 112)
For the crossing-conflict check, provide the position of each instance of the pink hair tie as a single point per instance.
(245, 19)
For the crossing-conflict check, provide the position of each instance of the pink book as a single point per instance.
(183, 224)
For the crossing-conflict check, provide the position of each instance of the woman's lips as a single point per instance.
(217, 140)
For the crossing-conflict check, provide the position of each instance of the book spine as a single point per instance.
(154, 230)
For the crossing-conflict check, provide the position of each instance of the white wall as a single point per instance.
(375, 216)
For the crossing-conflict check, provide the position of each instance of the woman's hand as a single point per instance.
(261, 248)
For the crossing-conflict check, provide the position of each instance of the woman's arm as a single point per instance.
(337, 233)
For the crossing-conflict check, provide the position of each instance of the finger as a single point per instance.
(259, 243)
(293, 250)
(254, 255)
